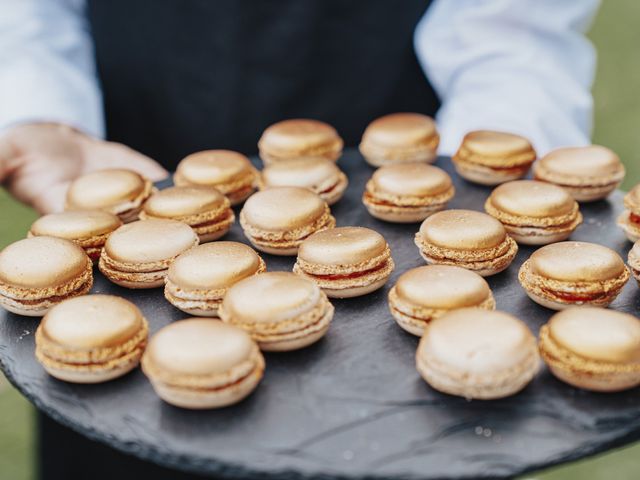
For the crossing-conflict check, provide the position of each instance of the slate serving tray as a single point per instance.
(351, 406)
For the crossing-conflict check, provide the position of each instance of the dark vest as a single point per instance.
(185, 75)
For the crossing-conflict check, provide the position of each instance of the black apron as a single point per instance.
(180, 76)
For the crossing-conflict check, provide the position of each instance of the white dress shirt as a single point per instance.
(522, 66)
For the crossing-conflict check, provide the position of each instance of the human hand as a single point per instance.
(39, 161)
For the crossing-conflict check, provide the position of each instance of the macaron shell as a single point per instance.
(591, 165)
(175, 202)
(400, 130)
(42, 263)
(495, 144)
(411, 179)
(283, 209)
(212, 167)
(295, 137)
(462, 230)
(442, 287)
(577, 262)
(75, 224)
(313, 173)
(105, 188)
(214, 266)
(149, 241)
(342, 246)
(532, 199)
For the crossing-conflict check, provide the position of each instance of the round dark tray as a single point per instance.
(353, 405)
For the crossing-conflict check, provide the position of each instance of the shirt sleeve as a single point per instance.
(47, 71)
(521, 66)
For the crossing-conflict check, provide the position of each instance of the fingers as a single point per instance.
(102, 155)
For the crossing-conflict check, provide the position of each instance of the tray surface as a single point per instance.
(353, 405)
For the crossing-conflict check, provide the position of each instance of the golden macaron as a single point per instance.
(199, 278)
(407, 192)
(534, 213)
(587, 173)
(299, 138)
(320, 175)
(201, 363)
(40, 272)
(476, 353)
(292, 312)
(468, 239)
(566, 274)
(629, 220)
(230, 172)
(204, 209)
(345, 261)
(87, 228)
(633, 260)
(399, 138)
(118, 191)
(278, 219)
(490, 158)
(593, 348)
(138, 254)
(91, 339)
(425, 293)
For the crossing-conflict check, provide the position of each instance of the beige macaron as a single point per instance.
(198, 279)
(399, 138)
(87, 228)
(292, 312)
(278, 219)
(138, 254)
(566, 274)
(407, 192)
(534, 213)
(629, 220)
(633, 260)
(425, 293)
(118, 191)
(319, 175)
(230, 172)
(476, 353)
(201, 363)
(467, 239)
(204, 209)
(40, 272)
(299, 138)
(587, 173)
(91, 339)
(593, 348)
(345, 261)
(490, 158)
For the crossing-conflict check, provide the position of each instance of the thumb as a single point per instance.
(101, 155)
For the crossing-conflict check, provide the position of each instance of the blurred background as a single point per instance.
(617, 116)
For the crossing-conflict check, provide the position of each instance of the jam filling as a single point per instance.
(351, 275)
(574, 297)
(633, 218)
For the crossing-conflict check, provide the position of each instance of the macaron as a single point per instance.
(593, 348)
(299, 138)
(137, 255)
(399, 138)
(201, 363)
(534, 213)
(478, 354)
(204, 209)
(407, 192)
(87, 228)
(346, 261)
(118, 191)
(566, 274)
(40, 272)
(91, 339)
(199, 278)
(278, 219)
(319, 175)
(629, 220)
(633, 260)
(230, 172)
(425, 293)
(587, 173)
(468, 239)
(292, 312)
(490, 158)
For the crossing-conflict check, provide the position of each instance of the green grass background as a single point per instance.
(616, 37)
